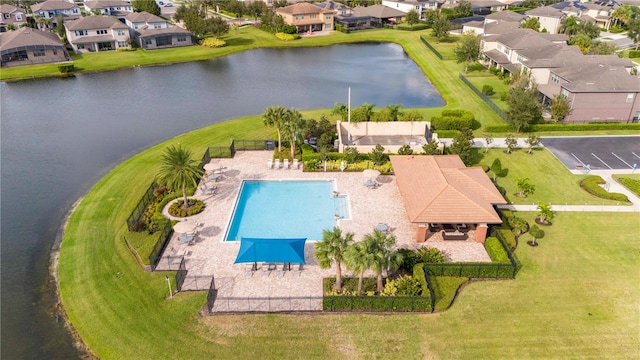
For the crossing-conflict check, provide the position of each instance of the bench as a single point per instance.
(454, 235)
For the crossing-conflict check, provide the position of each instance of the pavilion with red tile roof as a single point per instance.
(442, 195)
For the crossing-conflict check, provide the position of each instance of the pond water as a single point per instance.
(59, 136)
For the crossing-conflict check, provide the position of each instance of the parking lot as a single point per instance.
(596, 153)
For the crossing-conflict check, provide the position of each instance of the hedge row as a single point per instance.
(472, 270)
(376, 303)
(453, 120)
(496, 251)
(418, 274)
(415, 27)
(592, 185)
(447, 134)
(565, 127)
(634, 53)
(508, 237)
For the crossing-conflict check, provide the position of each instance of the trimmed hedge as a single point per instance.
(564, 127)
(496, 251)
(376, 303)
(634, 53)
(453, 120)
(447, 134)
(472, 270)
(445, 290)
(66, 68)
(631, 184)
(592, 185)
(418, 274)
(508, 237)
(287, 37)
(415, 27)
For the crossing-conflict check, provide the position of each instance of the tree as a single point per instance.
(468, 49)
(603, 48)
(292, 127)
(536, 233)
(358, 259)
(178, 170)
(216, 26)
(545, 213)
(382, 115)
(560, 107)
(524, 107)
(377, 154)
(193, 19)
(149, 6)
(462, 147)
(383, 257)
(367, 111)
(332, 249)
(59, 28)
(488, 139)
(532, 141)
(430, 17)
(496, 168)
(462, 9)
(412, 18)
(351, 154)
(274, 116)
(525, 188)
(412, 115)
(519, 227)
(342, 110)
(633, 30)
(257, 9)
(624, 14)
(405, 150)
(395, 111)
(583, 41)
(510, 141)
(569, 26)
(441, 26)
(531, 23)
(431, 148)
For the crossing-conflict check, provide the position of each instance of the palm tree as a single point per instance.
(395, 111)
(274, 116)
(358, 259)
(332, 248)
(292, 126)
(367, 111)
(545, 213)
(383, 257)
(342, 110)
(179, 170)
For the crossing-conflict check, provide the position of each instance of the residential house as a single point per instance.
(598, 14)
(479, 7)
(596, 92)
(420, 6)
(11, 16)
(380, 14)
(550, 18)
(499, 22)
(116, 8)
(307, 17)
(97, 33)
(27, 46)
(337, 8)
(152, 32)
(51, 9)
(444, 199)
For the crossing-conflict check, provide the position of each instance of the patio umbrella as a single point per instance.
(271, 250)
(184, 227)
(211, 167)
(371, 174)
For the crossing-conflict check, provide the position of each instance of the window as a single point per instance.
(148, 41)
(120, 32)
(565, 93)
(157, 26)
(182, 38)
(7, 16)
(38, 52)
(19, 17)
(327, 17)
(81, 32)
(122, 44)
(75, 10)
(80, 46)
(629, 98)
(555, 78)
(299, 17)
(520, 58)
(55, 51)
(313, 16)
(327, 26)
(101, 32)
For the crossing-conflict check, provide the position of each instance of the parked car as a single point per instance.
(168, 5)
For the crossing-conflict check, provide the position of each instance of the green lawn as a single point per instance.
(554, 183)
(575, 296)
(481, 78)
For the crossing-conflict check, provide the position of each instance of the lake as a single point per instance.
(59, 136)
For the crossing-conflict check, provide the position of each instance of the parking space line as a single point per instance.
(572, 154)
(605, 164)
(636, 155)
(621, 159)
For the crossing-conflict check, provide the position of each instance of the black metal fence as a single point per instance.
(163, 239)
(262, 304)
(484, 97)
(140, 209)
(212, 294)
(435, 52)
(378, 303)
(432, 293)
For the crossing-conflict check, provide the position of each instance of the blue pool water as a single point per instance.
(285, 209)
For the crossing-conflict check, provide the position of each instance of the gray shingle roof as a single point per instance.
(143, 17)
(551, 56)
(598, 78)
(28, 37)
(97, 4)
(165, 31)
(506, 15)
(377, 11)
(95, 22)
(51, 5)
(546, 11)
(522, 39)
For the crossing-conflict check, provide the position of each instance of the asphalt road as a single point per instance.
(596, 153)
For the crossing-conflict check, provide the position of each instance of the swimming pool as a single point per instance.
(285, 209)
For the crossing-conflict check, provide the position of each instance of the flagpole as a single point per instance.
(349, 116)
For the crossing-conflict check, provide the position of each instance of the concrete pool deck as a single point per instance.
(212, 256)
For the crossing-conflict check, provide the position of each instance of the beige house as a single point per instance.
(445, 199)
(27, 46)
(307, 17)
(11, 15)
(152, 32)
(97, 33)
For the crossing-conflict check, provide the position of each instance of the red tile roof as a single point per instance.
(440, 189)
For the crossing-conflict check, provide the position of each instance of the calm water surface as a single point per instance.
(59, 136)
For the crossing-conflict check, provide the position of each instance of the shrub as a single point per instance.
(289, 29)
(504, 96)
(342, 29)
(405, 150)
(430, 255)
(415, 27)
(445, 290)
(306, 148)
(631, 184)
(419, 275)
(409, 259)
(350, 285)
(213, 42)
(375, 303)
(447, 134)
(402, 286)
(488, 90)
(351, 154)
(287, 37)
(496, 251)
(66, 68)
(592, 185)
(508, 237)
(634, 53)
(377, 155)
(453, 120)
(195, 207)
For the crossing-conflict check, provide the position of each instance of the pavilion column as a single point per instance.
(421, 233)
(481, 232)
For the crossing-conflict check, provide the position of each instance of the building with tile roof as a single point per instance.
(307, 17)
(153, 32)
(116, 8)
(443, 196)
(97, 33)
(27, 46)
(11, 15)
(50, 10)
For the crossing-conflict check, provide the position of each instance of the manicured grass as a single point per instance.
(554, 183)
(481, 78)
(630, 181)
(574, 297)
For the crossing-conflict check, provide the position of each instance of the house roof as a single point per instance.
(522, 39)
(440, 189)
(98, 4)
(95, 22)
(10, 9)
(486, 3)
(27, 36)
(546, 11)
(549, 56)
(51, 5)
(500, 27)
(506, 15)
(144, 17)
(378, 11)
(332, 5)
(497, 56)
(598, 78)
(171, 30)
(303, 8)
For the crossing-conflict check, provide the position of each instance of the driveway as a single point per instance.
(596, 152)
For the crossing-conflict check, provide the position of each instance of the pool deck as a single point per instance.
(211, 255)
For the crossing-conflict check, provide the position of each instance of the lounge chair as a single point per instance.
(249, 269)
(186, 238)
(276, 164)
(270, 164)
(295, 164)
(285, 164)
(299, 270)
